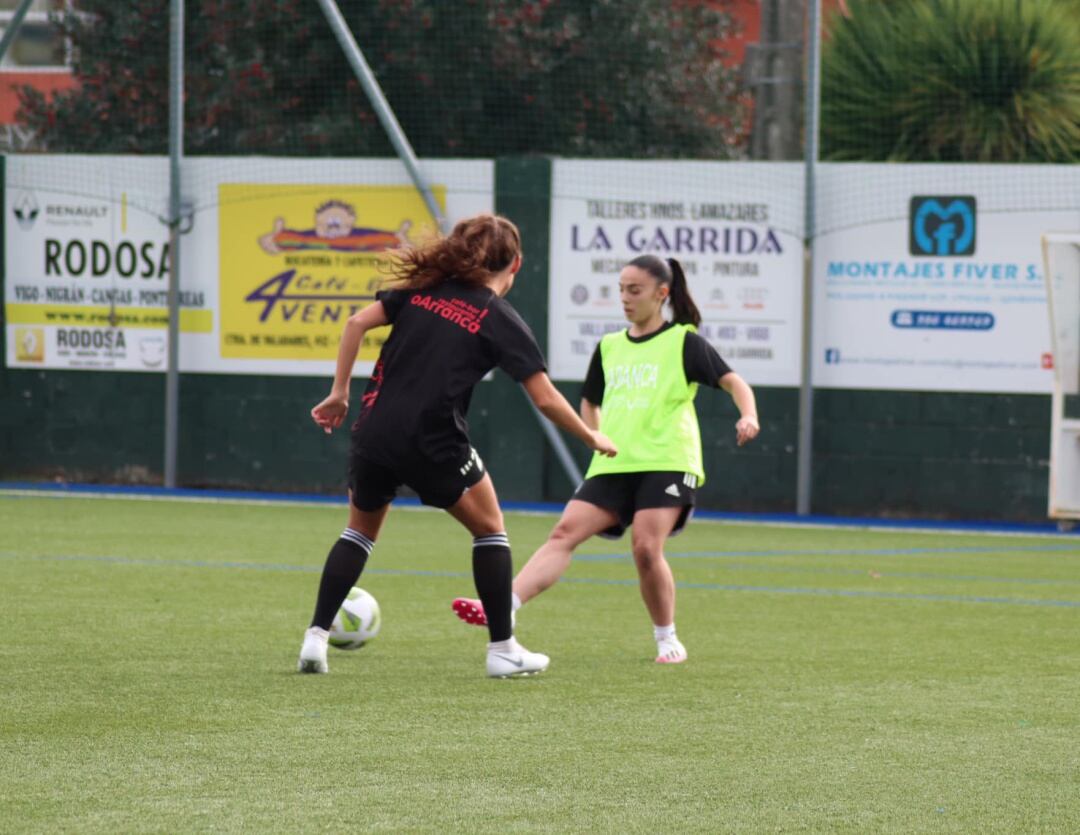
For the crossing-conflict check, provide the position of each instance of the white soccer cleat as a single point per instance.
(313, 652)
(670, 651)
(514, 662)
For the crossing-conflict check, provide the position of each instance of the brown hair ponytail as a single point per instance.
(478, 248)
(670, 272)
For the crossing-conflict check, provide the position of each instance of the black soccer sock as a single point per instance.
(493, 574)
(343, 566)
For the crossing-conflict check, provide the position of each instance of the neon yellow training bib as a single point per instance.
(648, 408)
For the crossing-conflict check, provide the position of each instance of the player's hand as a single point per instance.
(604, 445)
(330, 413)
(746, 430)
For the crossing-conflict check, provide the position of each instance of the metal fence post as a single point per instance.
(804, 471)
(13, 27)
(176, 151)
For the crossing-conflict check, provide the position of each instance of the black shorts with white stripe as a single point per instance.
(624, 494)
(374, 484)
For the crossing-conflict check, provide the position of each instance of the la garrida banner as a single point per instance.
(734, 227)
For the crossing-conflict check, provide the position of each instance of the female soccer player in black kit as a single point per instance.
(451, 326)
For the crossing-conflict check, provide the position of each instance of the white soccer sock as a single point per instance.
(661, 632)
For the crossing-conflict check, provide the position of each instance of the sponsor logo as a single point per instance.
(90, 339)
(457, 311)
(334, 230)
(64, 212)
(942, 226)
(642, 375)
(25, 210)
(474, 461)
(75, 258)
(29, 344)
(943, 320)
(152, 351)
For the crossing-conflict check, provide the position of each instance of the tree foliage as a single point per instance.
(952, 80)
(475, 78)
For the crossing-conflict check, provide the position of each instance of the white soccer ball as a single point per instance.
(357, 621)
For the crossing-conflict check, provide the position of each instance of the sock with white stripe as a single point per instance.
(493, 574)
(343, 566)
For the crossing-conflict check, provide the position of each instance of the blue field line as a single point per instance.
(879, 595)
(259, 497)
(467, 576)
(847, 572)
(900, 575)
(1069, 549)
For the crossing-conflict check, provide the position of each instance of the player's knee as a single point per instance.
(492, 523)
(565, 536)
(647, 553)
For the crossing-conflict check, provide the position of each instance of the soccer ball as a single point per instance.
(357, 621)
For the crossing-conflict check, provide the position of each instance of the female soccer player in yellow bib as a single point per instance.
(639, 391)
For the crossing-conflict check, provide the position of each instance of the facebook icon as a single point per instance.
(942, 226)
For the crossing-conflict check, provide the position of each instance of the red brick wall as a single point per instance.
(47, 82)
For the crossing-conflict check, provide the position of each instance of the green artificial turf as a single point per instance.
(839, 680)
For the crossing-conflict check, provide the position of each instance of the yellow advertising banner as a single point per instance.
(297, 260)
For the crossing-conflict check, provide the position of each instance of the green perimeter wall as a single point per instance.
(876, 453)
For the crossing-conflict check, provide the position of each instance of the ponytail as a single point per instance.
(682, 305)
(670, 272)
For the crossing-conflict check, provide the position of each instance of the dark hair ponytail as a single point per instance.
(682, 305)
(670, 272)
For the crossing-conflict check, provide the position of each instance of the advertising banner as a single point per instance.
(276, 255)
(295, 264)
(734, 227)
(86, 277)
(937, 284)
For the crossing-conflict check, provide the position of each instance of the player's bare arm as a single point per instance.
(330, 412)
(590, 413)
(746, 428)
(554, 407)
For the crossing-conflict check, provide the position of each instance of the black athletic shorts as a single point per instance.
(439, 484)
(626, 493)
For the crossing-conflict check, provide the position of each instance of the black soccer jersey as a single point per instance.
(701, 362)
(444, 340)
